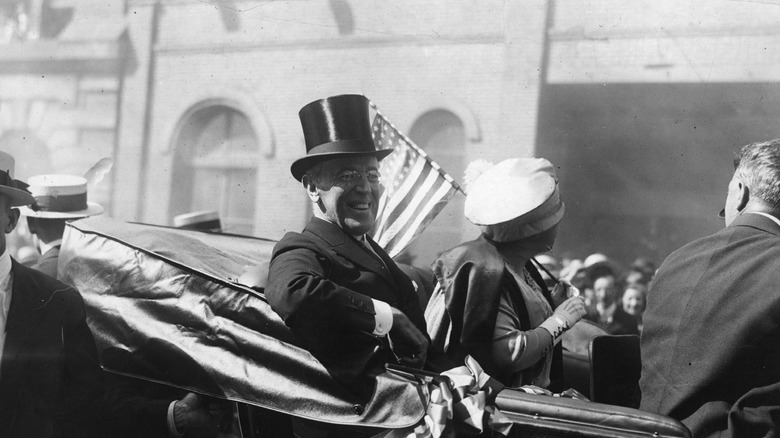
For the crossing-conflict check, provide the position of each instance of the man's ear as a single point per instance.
(13, 219)
(311, 188)
(744, 196)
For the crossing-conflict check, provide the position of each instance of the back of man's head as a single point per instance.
(48, 230)
(758, 165)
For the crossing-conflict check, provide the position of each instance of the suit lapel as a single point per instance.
(351, 249)
(399, 277)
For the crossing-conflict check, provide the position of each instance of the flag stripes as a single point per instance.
(416, 188)
(424, 217)
(396, 196)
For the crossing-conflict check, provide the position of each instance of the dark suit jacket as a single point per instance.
(622, 323)
(48, 373)
(321, 282)
(423, 279)
(711, 337)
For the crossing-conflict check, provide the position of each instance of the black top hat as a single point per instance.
(334, 127)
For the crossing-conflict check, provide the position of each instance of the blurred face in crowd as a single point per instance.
(346, 192)
(604, 290)
(634, 301)
(8, 219)
(635, 277)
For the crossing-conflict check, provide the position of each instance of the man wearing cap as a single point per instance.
(609, 309)
(341, 294)
(497, 304)
(204, 220)
(710, 350)
(58, 199)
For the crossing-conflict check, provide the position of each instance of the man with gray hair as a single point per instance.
(710, 343)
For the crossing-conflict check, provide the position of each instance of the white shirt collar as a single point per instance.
(45, 247)
(6, 287)
(5, 266)
(776, 220)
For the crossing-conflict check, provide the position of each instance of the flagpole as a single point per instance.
(409, 141)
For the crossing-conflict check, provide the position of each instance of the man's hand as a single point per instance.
(407, 342)
(255, 276)
(195, 412)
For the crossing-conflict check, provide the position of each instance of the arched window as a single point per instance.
(441, 135)
(216, 167)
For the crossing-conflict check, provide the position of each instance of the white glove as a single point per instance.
(565, 316)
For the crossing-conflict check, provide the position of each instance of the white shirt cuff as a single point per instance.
(172, 422)
(383, 319)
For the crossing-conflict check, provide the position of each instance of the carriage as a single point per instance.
(166, 308)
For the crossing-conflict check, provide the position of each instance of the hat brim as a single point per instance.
(91, 210)
(301, 165)
(18, 197)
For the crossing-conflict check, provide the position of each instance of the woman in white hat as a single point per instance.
(499, 308)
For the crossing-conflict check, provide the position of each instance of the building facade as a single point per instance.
(196, 102)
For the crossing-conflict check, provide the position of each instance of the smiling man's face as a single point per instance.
(347, 193)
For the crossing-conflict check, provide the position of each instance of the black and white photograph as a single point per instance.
(389, 219)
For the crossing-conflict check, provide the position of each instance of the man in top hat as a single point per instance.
(710, 350)
(341, 294)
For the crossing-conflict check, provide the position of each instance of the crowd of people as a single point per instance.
(615, 297)
(708, 316)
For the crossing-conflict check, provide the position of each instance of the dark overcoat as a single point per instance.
(49, 371)
(711, 337)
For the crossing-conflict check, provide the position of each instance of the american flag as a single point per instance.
(416, 188)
